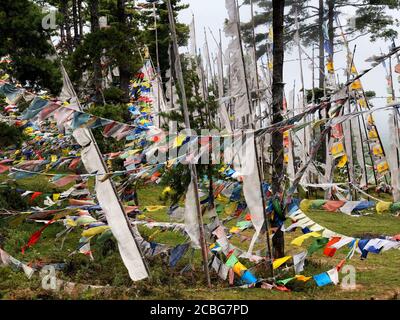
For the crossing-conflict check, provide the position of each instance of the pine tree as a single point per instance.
(163, 31)
(24, 39)
(371, 18)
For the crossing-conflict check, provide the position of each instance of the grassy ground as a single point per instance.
(377, 276)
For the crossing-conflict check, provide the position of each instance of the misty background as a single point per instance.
(211, 14)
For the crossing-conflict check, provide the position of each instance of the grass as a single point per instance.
(377, 276)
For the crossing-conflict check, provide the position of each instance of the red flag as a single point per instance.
(35, 195)
(74, 163)
(35, 237)
(4, 168)
(331, 251)
(340, 265)
(282, 288)
(65, 180)
(332, 206)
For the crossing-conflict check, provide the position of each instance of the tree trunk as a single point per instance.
(277, 107)
(331, 31)
(321, 45)
(67, 25)
(80, 23)
(124, 72)
(97, 74)
(62, 26)
(75, 21)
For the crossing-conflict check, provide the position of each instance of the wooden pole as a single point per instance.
(159, 82)
(253, 126)
(192, 167)
(367, 103)
(255, 62)
(303, 90)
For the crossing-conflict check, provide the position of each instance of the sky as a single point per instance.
(211, 14)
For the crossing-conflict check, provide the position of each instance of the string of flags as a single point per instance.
(143, 133)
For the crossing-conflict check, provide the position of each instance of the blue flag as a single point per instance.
(322, 279)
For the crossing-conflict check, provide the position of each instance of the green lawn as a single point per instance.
(377, 276)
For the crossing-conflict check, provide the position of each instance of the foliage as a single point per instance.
(164, 39)
(168, 283)
(113, 43)
(10, 136)
(113, 95)
(201, 112)
(371, 18)
(10, 199)
(24, 39)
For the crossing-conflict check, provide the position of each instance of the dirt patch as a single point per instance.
(356, 288)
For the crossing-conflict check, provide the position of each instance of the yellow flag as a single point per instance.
(178, 141)
(234, 229)
(337, 150)
(377, 149)
(154, 208)
(330, 67)
(230, 208)
(300, 277)
(271, 33)
(166, 190)
(382, 166)
(370, 120)
(71, 223)
(305, 205)
(286, 158)
(132, 152)
(362, 103)
(239, 268)
(356, 85)
(342, 162)
(93, 231)
(28, 130)
(299, 240)
(222, 169)
(372, 134)
(383, 206)
(278, 262)
(222, 199)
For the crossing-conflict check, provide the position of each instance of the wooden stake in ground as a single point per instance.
(192, 167)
